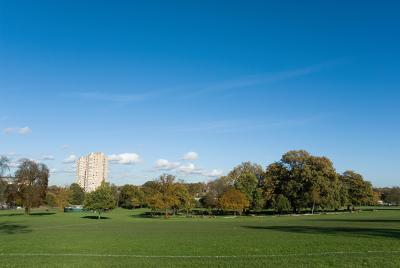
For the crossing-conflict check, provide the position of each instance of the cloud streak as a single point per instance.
(18, 130)
(237, 125)
(124, 159)
(109, 97)
(253, 80)
(190, 156)
(70, 159)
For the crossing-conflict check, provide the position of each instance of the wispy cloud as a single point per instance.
(18, 130)
(190, 156)
(24, 130)
(111, 97)
(188, 91)
(260, 79)
(70, 159)
(124, 159)
(236, 125)
(164, 164)
(187, 168)
(47, 157)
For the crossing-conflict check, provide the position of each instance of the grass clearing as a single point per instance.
(124, 238)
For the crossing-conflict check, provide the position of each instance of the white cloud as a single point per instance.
(213, 173)
(189, 169)
(190, 156)
(164, 164)
(13, 164)
(62, 171)
(18, 130)
(48, 157)
(125, 158)
(70, 159)
(8, 130)
(24, 130)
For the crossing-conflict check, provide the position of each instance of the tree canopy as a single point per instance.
(76, 194)
(31, 180)
(234, 200)
(100, 200)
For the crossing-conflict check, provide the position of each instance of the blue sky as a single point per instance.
(229, 81)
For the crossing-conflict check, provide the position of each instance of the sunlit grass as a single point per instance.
(125, 238)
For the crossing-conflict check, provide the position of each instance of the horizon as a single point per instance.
(194, 89)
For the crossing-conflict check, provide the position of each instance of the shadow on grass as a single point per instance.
(32, 214)
(95, 217)
(380, 232)
(357, 220)
(42, 213)
(142, 215)
(11, 228)
(11, 214)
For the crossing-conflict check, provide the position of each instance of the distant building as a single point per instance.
(91, 170)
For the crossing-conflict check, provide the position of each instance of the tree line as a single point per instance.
(297, 182)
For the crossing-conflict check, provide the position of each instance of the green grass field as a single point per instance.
(124, 238)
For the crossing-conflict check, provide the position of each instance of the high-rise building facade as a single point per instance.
(91, 170)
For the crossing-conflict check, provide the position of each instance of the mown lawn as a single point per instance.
(124, 238)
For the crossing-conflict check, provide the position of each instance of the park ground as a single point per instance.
(125, 238)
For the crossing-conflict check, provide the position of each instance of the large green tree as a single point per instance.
(31, 180)
(163, 194)
(245, 168)
(100, 200)
(76, 194)
(306, 181)
(357, 190)
(186, 199)
(247, 183)
(131, 196)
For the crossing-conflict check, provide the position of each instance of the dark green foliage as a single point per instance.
(282, 204)
(247, 183)
(3, 187)
(77, 194)
(31, 180)
(389, 196)
(100, 200)
(356, 189)
(209, 200)
(51, 200)
(131, 196)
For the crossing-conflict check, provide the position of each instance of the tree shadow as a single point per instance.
(11, 228)
(142, 215)
(380, 232)
(357, 220)
(11, 214)
(42, 213)
(95, 217)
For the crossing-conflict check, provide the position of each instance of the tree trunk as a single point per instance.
(166, 213)
(27, 210)
(313, 207)
(99, 217)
